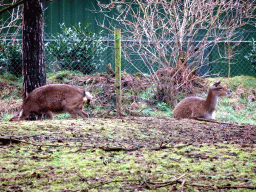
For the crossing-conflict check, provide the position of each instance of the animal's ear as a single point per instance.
(216, 84)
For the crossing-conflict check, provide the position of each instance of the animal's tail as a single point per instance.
(87, 97)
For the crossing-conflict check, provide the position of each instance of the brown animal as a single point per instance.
(54, 98)
(196, 107)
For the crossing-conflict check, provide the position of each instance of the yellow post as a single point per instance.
(117, 36)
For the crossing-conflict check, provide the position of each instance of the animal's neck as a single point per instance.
(211, 101)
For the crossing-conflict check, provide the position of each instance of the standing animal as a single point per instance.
(196, 107)
(54, 98)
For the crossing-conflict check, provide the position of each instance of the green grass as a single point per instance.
(9, 76)
(227, 113)
(63, 75)
(6, 117)
(237, 81)
(148, 93)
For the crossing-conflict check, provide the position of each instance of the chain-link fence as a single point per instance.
(215, 59)
(88, 57)
(214, 64)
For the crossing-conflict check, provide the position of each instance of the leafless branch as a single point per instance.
(11, 20)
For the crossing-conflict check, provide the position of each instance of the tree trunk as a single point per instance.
(33, 55)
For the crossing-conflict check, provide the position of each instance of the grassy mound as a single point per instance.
(140, 96)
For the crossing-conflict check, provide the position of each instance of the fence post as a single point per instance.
(117, 37)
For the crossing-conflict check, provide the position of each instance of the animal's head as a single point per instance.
(17, 115)
(219, 90)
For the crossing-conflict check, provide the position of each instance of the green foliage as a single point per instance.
(63, 75)
(9, 76)
(252, 55)
(60, 75)
(165, 109)
(63, 116)
(160, 110)
(76, 48)
(148, 93)
(163, 106)
(6, 117)
(11, 58)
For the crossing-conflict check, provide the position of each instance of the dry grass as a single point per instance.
(9, 105)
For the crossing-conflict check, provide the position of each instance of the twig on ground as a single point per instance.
(161, 147)
(167, 147)
(182, 185)
(16, 140)
(218, 122)
(164, 184)
(107, 112)
(120, 148)
(116, 181)
(145, 183)
(241, 186)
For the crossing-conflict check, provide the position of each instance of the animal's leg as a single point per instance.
(82, 114)
(49, 115)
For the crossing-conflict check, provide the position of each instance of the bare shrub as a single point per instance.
(177, 37)
(176, 81)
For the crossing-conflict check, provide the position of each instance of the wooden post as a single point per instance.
(117, 37)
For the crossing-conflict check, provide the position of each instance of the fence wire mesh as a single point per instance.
(86, 57)
(141, 94)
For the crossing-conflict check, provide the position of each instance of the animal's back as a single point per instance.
(189, 107)
(54, 97)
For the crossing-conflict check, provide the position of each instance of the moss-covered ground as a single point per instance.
(129, 154)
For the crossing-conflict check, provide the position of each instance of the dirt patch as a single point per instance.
(195, 132)
(155, 131)
(3, 85)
